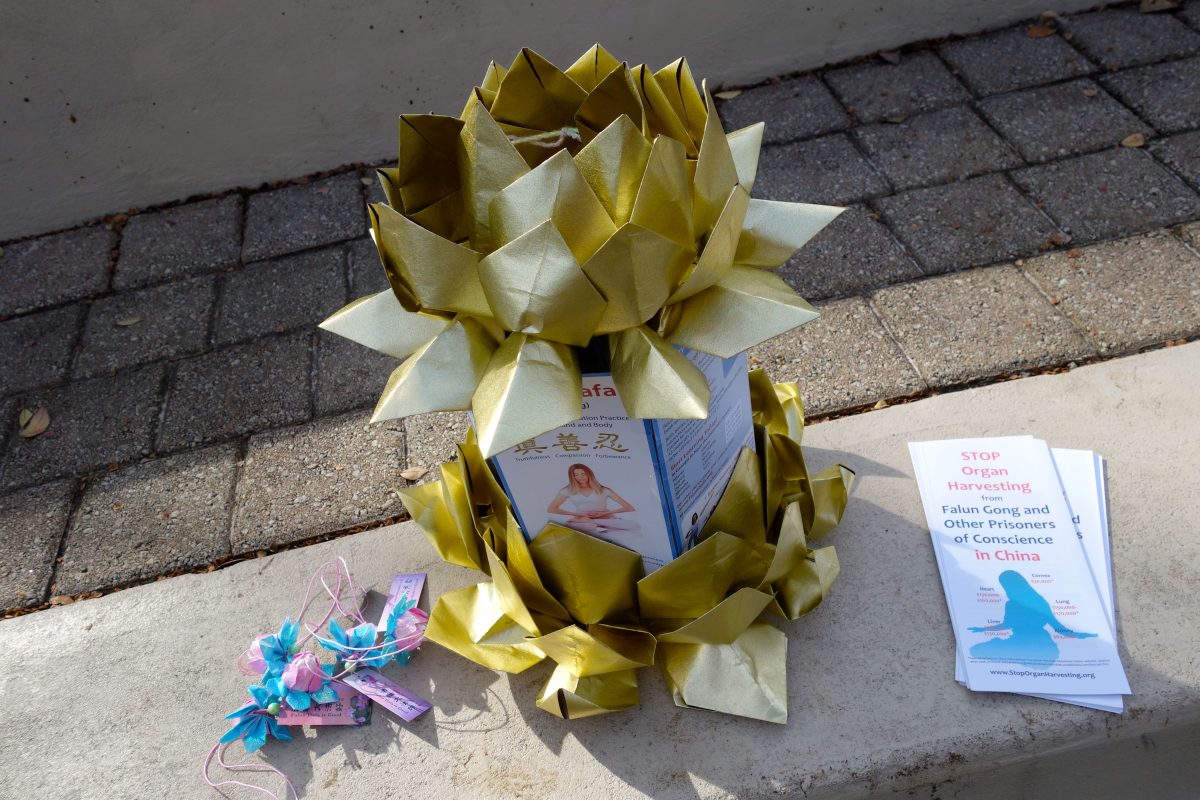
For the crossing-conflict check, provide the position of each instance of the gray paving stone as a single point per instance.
(937, 147)
(8, 425)
(842, 359)
(348, 375)
(298, 217)
(92, 423)
(920, 82)
(54, 269)
(1062, 120)
(238, 390)
(827, 171)
(31, 526)
(853, 254)
(149, 519)
(1110, 193)
(1123, 37)
(1190, 13)
(179, 242)
(431, 440)
(973, 222)
(1126, 294)
(317, 478)
(35, 350)
(284, 294)
(1181, 153)
(795, 109)
(976, 324)
(172, 320)
(372, 191)
(366, 271)
(1165, 95)
(1008, 60)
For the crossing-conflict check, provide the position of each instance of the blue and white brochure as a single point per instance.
(647, 485)
(1026, 609)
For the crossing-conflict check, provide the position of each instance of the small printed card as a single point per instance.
(387, 693)
(1029, 592)
(404, 588)
(351, 708)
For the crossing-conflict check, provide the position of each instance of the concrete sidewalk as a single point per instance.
(120, 697)
(996, 225)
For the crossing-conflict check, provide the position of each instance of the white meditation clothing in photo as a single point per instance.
(582, 504)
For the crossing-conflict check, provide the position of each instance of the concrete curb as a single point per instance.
(121, 696)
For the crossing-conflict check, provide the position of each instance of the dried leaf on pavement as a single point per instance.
(1151, 6)
(1039, 31)
(36, 424)
(125, 322)
(890, 56)
(1134, 140)
(728, 94)
(896, 120)
(413, 473)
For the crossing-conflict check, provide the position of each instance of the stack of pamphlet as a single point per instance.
(1020, 532)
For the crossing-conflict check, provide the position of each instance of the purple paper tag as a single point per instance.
(404, 587)
(390, 695)
(351, 708)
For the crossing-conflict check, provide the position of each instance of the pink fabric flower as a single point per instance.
(303, 673)
(253, 658)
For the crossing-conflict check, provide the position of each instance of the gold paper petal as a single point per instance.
(830, 491)
(583, 654)
(592, 67)
(447, 218)
(660, 116)
(746, 307)
(634, 271)
(653, 379)
(613, 164)
(487, 162)
(773, 482)
(425, 270)
(694, 583)
(470, 622)
(802, 589)
(745, 144)
(427, 505)
(788, 394)
(485, 489)
(536, 94)
(379, 322)
(716, 259)
(441, 375)
(534, 285)
(635, 643)
(739, 512)
(724, 623)
(462, 512)
(747, 678)
(530, 386)
(509, 597)
(681, 91)
(495, 73)
(428, 166)
(572, 697)
(556, 191)
(790, 549)
(525, 575)
(389, 181)
(613, 97)
(773, 231)
(594, 580)
(663, 203)
(716, 172)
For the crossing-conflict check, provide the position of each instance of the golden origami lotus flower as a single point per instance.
(563, 206)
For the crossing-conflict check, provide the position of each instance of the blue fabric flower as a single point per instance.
(398, 612)
(277, 648)
(255, 721)
(356, 647)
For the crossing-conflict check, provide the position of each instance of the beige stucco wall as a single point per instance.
(108, 105)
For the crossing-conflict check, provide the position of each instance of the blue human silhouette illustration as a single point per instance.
(1027, 614)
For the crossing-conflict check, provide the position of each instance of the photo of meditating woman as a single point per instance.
(583, 504)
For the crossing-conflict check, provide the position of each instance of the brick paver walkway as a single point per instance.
(197, 414)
